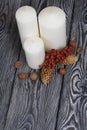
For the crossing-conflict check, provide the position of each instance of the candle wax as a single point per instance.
(34, 51)
(26, 18)
(52, 24)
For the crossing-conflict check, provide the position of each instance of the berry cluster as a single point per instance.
(55, 56)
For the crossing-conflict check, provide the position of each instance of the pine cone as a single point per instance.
(71, 59)
(46, 74)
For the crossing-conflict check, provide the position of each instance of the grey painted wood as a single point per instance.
(39, 4)
(27, 105)
(9, 53)
(34, 106)
(72, 114)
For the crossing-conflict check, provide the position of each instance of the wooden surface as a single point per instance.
(27, 105)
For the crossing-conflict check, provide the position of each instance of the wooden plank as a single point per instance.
(72, 114)
(9, 53)
(39, 4)
(33, 105)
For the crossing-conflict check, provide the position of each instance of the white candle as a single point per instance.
(34, 51)
(27, 22)
(52, 23)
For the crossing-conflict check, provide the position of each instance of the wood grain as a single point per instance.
(34, 106)
(73, 105)
(29, 105)
(38, 4)
(9, 53)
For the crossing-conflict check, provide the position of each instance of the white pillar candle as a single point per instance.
(34, 51)
(52, 23)
(26, 18)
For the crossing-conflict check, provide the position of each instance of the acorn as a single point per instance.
(18, 64)
(22, 76)
(62, 71)
(73, 43)
(33, 76)
(79, 50)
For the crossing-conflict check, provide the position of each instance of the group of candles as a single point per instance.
(41, 34)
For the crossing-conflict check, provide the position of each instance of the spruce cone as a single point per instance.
(71, 59)
(46, 74)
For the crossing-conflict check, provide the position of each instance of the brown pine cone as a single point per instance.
(46, 74)
(71, 59)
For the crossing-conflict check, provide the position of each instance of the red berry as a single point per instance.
(65, 47)
(52, 60)
(54, 53)
(63, 58)
(53, 50)
(58, 56)
(52, 57)
(47, 57)
(71, 48)
(56, 61)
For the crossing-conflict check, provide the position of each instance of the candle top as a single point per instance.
(25, 13)
(52, 16)
(33, 44)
